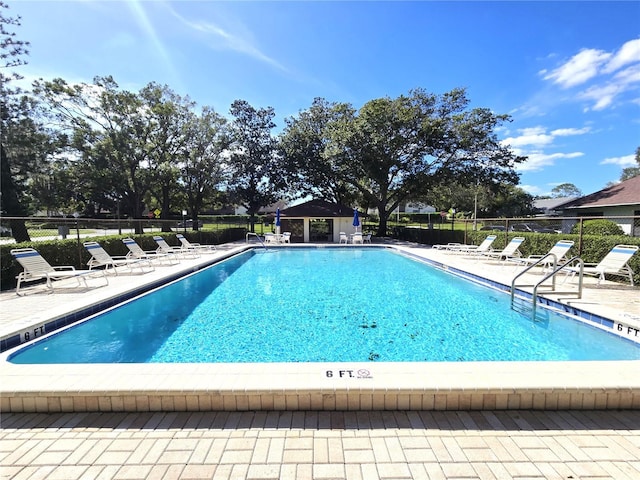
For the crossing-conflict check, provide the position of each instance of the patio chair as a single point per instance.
(367, 238)
(35, 267)
(555, 256)
(100, 258)
(286, 237)
(616, 262)
(270, 238)
(485, 246)
(136, 251)
(343, 237)
(187, 245)
(357, 238)
(507, 253)
(164, 247)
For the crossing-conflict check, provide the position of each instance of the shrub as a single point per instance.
(599, 226)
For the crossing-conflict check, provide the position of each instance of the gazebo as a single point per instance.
(316, 221)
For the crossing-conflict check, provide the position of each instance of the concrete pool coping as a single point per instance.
(313, 386)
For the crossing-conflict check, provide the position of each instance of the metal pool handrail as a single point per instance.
(556, 269)
(255, 235)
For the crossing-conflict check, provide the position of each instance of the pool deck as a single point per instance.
(482, 421)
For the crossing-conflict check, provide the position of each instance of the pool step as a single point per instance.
(524, 307)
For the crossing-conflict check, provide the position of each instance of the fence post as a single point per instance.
(78, 241)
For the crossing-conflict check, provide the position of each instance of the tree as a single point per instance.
(15, 127)
(202, 167)
(110, 129)
(253, 167)
(512, 201)
(168, 116)
(631, 172)
(395, 149)
(483, 200)
(303, 146)
(565, 190)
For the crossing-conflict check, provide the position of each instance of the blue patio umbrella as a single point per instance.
(278, 220)
(356, 219)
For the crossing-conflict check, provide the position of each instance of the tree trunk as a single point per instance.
(137, 215)
(10, 201)
(166, 209)
(382, 226)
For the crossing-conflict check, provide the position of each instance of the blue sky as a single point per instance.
(567, 72)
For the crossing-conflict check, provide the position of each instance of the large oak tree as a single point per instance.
(392, 150)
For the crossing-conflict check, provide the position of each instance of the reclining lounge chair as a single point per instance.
(509, 252)
(37, 268)
(555, 256)
(485, 246)
(164, 247)
(196, 247)
(136, 251)
(100, 258)
(616, 262)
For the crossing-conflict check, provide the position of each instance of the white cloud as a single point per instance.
(529, 136)
(626, 161)
(606, 76)
(601, 95)
(580, 68)
(628, 53)
(538, 136)
(537, 160)
(533, 141)
(238, 39)
(564, 132)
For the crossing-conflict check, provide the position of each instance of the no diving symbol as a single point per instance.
(363, 373)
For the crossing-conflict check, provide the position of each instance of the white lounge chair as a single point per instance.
(485, 246)
(164, 247)
(357, 238)
(100, 258)
(136, 251)
(37, 268)
(555, 256)
(343, 237)
(187, 245)
(286, 237)
(507, 253)
(270, 238)
(367, 238)
(616, 262)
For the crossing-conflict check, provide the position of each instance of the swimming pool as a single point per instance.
(323, 305)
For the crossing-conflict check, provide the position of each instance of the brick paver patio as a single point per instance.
(322, 445)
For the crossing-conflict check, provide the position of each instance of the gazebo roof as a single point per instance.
(317, 208)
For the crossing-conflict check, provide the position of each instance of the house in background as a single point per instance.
(316, 221)
(619, 200)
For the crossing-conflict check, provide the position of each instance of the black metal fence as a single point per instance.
(61, 228)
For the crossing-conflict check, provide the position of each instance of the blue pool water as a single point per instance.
(321, 305)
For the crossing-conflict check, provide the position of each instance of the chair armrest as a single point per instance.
(64, 267)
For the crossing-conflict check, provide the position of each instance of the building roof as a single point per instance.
(551, 203)
(317, 208)
(623, 193)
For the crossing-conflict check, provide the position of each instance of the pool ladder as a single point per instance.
(552, 275)
(249, 234)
